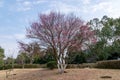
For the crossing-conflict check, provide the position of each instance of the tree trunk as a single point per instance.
(31, 60)
(61, 63)
(61, 67)
(23, 64)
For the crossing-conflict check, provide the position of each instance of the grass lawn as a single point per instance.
(72, 74)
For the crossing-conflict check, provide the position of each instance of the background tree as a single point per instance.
(47, 57)
(107, 34)
(60, 32)
(30, 49)
(22, 59)
(9, 62)
(1, 57)
(77, 57)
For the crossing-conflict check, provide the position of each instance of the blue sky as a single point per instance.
(16, 15)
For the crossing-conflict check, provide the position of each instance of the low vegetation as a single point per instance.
(51, 65)
(110, 64)
(21, 66)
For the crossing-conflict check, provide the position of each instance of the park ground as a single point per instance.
(72, 74)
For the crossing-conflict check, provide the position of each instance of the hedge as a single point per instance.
(110, 64)
(9, 66)
(83, 65)
(30, 66)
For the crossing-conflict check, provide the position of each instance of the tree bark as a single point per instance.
(61, 63)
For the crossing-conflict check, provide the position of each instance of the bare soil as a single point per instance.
(72, 74)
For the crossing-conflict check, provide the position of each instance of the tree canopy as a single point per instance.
(61, 32)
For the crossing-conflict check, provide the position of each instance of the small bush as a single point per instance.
(1, 67)
(31, 66)
(87, 65)
(110, 64)
(17, 66)
(9, 66)
(51, 65)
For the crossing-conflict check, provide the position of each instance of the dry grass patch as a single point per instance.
(72, 74)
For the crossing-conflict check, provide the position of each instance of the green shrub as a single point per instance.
(87, 65)
(17, 66)
(7, 66)
(31, 66)
(51, 65)
(110, 64)
(1, 67)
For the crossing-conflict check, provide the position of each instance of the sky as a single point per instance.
(16, 16)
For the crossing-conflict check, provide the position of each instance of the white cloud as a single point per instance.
(63, 7)
(87, 7)
(109, 8)
(86, 2)
(26, 3)
(23, 8)
(39, 1)
(15, 36)
(9, 43)
(11, 48)
(103, 6)
(19, 36)
(19, 0)
(23, 5)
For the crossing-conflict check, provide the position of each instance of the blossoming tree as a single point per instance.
(61, 32)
